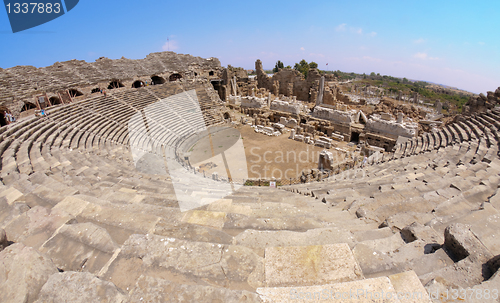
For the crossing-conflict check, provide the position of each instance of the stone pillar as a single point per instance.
(234, 85)
(400, 95)
(439, 107)
(400, 117)
(415, 97)
(319, 99)
(269, 100)
(292, 134)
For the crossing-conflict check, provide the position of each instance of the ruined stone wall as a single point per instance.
(263, 81)
(290, 82)
(21, 83)
(346, 117)
(482, 103)
(391, 129)
(284, 106)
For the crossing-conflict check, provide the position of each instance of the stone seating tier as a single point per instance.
(74, 205)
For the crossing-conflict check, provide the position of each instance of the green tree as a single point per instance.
(302, 67)
(278, 65)
(313, 65)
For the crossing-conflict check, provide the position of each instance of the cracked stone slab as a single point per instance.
(79, 287)
(310, 265)
(361, 291)
(206, 218)
(185, 262)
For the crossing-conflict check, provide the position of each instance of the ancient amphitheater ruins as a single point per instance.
(100, 201)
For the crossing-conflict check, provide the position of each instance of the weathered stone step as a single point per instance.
(402, 287)
(310, 265)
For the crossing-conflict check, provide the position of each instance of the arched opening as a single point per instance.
(211, 73)
(221, 90)
(355, 137)
(195, 74)
(95, 90)
(174, 77)
(138, 84)
(27, 106)
(55, 100)
(3, 119)
(155, 80)
(115, 84)
(226, 116)
(74, 93)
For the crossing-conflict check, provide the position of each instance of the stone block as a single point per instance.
(23, 272)
(310, 265)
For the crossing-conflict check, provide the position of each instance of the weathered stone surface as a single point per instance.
(79, 287)
(310, 265)
(83, 246)
(407, 283)
(207, 218)
(362, 291)
(259, 240)
(149, 289)
(35, 226)
(462, 243)
(12, 195)
(186, 231)
(23, 272)
(417, 231)
(3, 239)
(186, 261)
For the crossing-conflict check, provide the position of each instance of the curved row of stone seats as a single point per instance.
(457, 183)
(100, 236)
(89, 214)
(448, 135)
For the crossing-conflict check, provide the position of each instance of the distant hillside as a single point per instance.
(431, 91)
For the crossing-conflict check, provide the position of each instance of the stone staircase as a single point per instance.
(82, 224)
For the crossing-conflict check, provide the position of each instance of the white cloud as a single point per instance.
(170, 45)
(302, 48)
(372, 34)
(340, 28)
(419, 41)
(356, 30)
(424, 56)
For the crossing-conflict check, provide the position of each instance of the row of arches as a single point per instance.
(53, 101)
(156, 80)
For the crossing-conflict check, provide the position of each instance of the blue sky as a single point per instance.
(449, 42)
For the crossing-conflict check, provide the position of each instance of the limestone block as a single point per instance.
(160, 255)
(206, 218)
(407, 283)
(361, 291)
(310, 265)
(462, 243)
(259, 240)
(23, 272)
(12, 195)
(417, 231)
(87, 247)
(149, 289)
(79, 287)
(35, 226)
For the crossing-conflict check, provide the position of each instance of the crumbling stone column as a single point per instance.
(319, 99)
